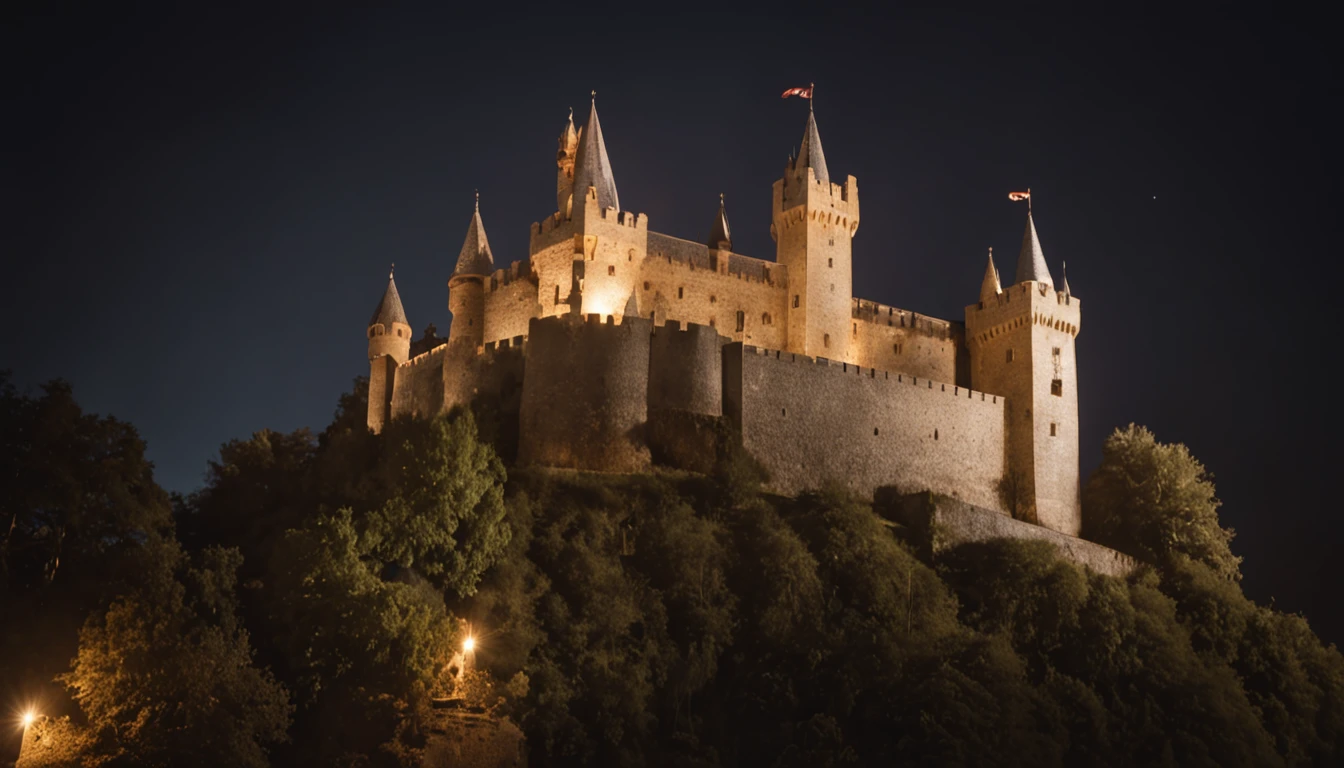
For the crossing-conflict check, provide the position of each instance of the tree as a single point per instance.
(360, 649)
(165, 675)
(81, 519)
(444, 510)
(1156, 502)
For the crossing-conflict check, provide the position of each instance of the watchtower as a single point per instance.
(389, 346)
(1021, 342)
(813, 224)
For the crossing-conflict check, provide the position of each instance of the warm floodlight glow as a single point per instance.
(28, 718)
(469, 644)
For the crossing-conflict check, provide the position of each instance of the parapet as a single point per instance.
(692, 255)
(881, 314)
(850, 369)
(940, 523)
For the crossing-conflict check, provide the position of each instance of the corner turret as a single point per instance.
(466, 288)
(389, 336)
(564, 163)
(990, 286)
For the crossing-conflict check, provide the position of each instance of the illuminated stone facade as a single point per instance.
(608, 327)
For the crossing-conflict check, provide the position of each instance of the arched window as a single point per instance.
(765, 319)
(741, 320)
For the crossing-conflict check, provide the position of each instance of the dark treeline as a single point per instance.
(304, 607)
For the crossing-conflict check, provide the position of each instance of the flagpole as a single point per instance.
(811, 95)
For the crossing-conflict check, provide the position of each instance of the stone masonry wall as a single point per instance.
(810, 421)
(511, 302)
(684, 369)
(941, 523)
(585, 396)
(892, 339)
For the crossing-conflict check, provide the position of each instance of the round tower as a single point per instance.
(389, 336)
(466, 288)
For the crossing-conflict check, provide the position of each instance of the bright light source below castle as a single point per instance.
(28, 718)
(469, 644)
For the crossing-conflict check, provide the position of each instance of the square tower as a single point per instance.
(1021, 343)
(813, 224)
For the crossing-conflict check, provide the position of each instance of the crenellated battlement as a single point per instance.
(1023, 304)
(818, 385)
(881, 314)
(696, 256)
(518, 270)
(849, 369)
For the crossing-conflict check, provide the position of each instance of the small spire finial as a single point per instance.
(720, 199)
(392, 271)
(594, 95)
(571, 114)
(478, 201)
(1028, 201)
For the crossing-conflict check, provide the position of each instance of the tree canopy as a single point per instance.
(323, 586)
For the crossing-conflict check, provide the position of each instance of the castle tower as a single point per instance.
(389, 346)
(1021, 343)
(466, 288)
(609, 244)
(814, 222)
(564, 163)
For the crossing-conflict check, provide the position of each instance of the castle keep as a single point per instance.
(611, 346)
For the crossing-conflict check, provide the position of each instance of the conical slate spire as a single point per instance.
(475, 258)
(389, 310)
(592, 168)
(810, 154)
(1031, 262)
(719, 237)
(990, 286)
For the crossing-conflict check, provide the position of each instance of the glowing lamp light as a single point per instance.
(28, 718)
(469, 644)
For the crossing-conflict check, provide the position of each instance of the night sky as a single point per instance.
(200, 207)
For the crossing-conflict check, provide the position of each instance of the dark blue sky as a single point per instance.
(201, 205)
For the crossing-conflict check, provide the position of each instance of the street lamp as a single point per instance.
(469, 644)
(28, 718)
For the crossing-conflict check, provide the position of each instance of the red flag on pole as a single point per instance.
(1018, 197)
(806, 92)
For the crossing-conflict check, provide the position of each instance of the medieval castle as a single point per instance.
(613, 346)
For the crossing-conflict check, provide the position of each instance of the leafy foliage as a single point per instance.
(1156, 502)
(165, 676)
(663, 619)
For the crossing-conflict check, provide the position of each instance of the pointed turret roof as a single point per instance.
(568, 136)
(475, 257)
(810, 154)
(719, 237)
(592, 168)
(389, 310)
(990, 286)
(1031, 262)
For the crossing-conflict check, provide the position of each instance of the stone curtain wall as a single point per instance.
(585, 396)
(892, 339)
(940, 523)
(684, 284)
(810, 421)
